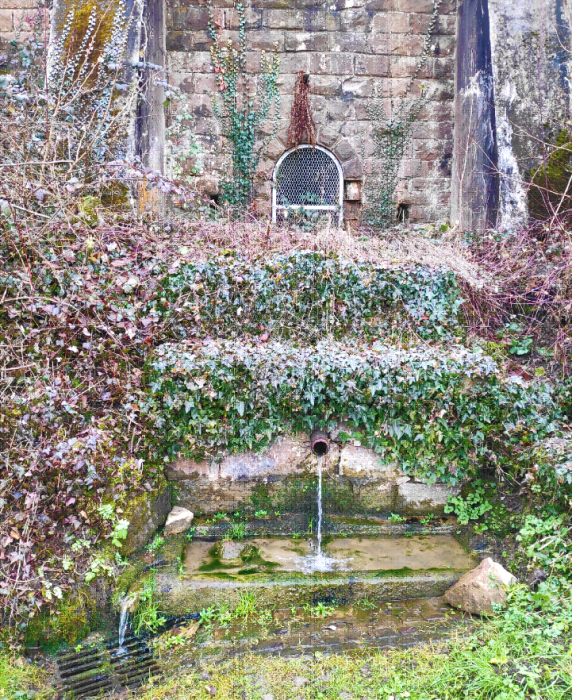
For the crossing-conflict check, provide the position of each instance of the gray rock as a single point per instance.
(268, 696)
(146, 512)
(179, 520)
(230, 550)
(300, 681)
(477, 590)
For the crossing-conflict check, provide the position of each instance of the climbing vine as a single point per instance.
(241, 106)
(439, 414)
(391, 134)
(311, 295)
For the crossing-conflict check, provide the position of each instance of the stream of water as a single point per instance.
(319, 531)
(124, 620)
(320, 561)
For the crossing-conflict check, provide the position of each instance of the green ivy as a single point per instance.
(242, 103)
(310, 295)
(439, 413)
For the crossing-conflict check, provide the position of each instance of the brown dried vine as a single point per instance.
(301, 120)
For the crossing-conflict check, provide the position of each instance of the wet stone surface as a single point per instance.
(300, 632)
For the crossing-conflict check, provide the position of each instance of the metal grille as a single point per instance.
(307, 178)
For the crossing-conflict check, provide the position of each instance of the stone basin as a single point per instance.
(348, 554)
(276, 571)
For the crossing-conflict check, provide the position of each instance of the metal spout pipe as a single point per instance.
(319, 443)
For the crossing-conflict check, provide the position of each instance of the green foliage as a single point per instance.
(519, 344)
(553, 467)
(243, 103)
(320, 609)
(396, 518)
(391, 133)
(146, 617)
(440, 414)
(223, 614)
(472, 507)
(312, 295)
(546, 542)
(155, 544)
(236, 531)
(549, 192)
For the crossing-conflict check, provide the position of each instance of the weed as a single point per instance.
(395, 518)
(472, 507)
(320, 609)
(236, 531)
(147, 618)
(156, 544)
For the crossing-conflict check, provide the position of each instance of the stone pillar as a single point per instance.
(150, 119)
(530, 47)
(146, 44)
(475, 186)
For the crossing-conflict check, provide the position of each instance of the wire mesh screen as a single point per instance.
(308, 178)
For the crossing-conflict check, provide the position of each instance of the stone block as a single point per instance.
(391, 22)
(357, 87)
(205, 83)
(6, 20)
(254, 19)
(338, 109)
(372, 65)
(287, 456)
(380, 5)
(194, 62)
(146, 512)
(425, 498)
(278, 19)
(321, 21)
(354, 20)
(266, 40)
(415, 6)
(272, 4)
(332, 63)
(18, 4)
(306, 41)
(328, 85)
(190, 19)
(188, 41)
(294, 62)
(362, 462)
(353, 169)
(350, 42)
(327, 137)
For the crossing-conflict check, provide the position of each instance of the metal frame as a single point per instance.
(339, 208)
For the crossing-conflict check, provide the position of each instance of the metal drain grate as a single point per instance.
(100, 670)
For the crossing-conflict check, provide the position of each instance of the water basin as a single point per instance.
(345, 554)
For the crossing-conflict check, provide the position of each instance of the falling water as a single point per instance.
(319, 554)
(126, 603)
(320, 561)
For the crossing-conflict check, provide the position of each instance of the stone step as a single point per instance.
(281, 573)
(295, 633)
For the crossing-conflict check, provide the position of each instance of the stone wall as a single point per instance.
(355, 481)
(351, 49)
(13, 14)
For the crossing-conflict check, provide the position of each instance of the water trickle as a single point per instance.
(320, 561)
(319, 531)
(124, 619)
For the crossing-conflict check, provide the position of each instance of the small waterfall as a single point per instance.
(319, 554)
(124, 619)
